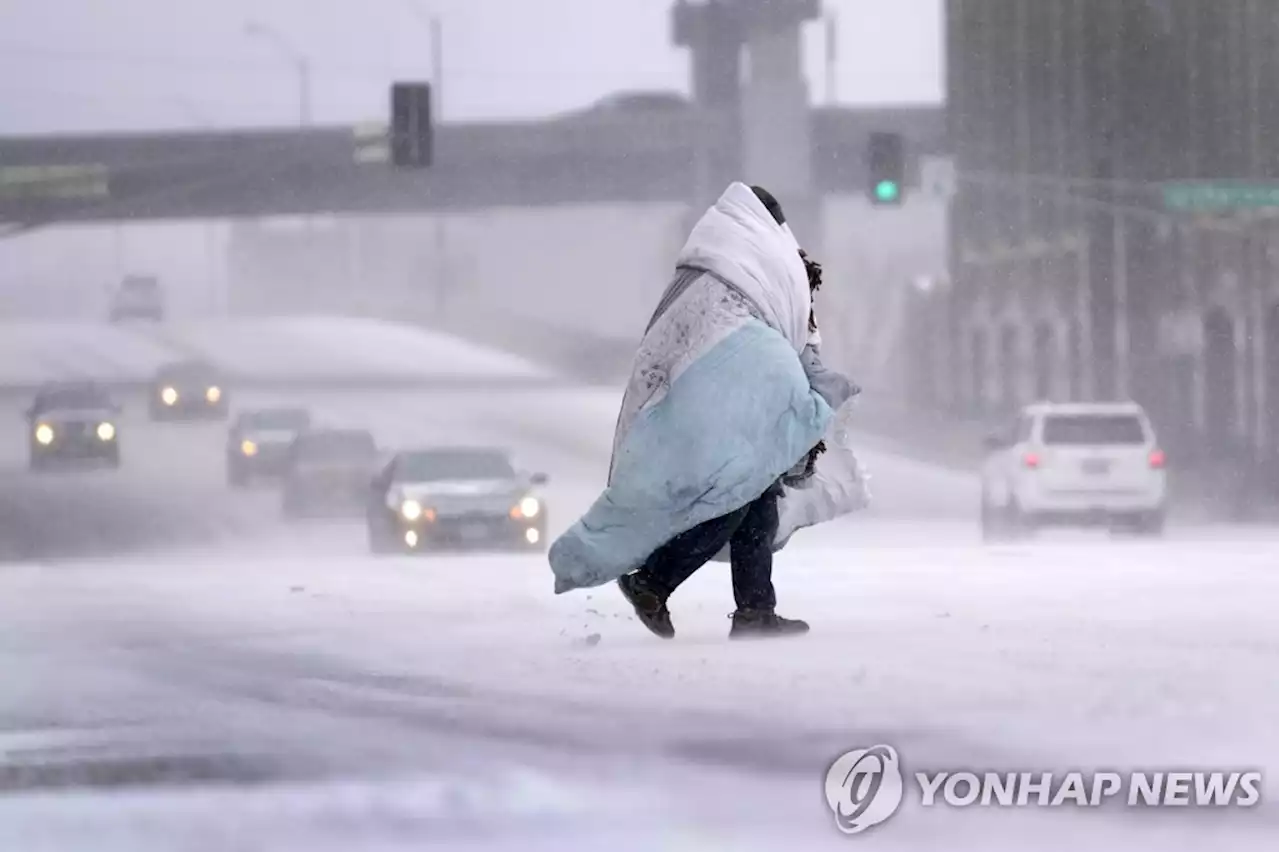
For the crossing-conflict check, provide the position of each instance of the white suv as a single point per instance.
(1074, 464)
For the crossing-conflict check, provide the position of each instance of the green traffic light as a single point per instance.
(886, 190)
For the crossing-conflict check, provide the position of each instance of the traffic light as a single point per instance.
(411, 136)
(886, 164)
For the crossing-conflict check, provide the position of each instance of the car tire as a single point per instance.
(1152, 524)
(236, 477)
(1145, 524)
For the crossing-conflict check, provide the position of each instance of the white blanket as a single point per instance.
(739, 241)
(718, 406)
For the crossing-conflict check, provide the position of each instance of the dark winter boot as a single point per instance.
(764, 624)
(650, 605)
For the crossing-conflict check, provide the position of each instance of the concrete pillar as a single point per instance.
(775, 114)
(712, 32)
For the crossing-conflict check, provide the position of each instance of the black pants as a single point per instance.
(749, 532)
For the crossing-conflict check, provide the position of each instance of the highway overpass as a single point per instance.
(239, 173)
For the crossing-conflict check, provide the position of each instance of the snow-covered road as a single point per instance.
(298, 349)
(180, 670)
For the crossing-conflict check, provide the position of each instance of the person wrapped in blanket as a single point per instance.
(726, 410)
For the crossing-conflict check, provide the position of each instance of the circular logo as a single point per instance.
(864, 788)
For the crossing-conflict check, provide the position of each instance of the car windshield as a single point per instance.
(195, 372)
(324, 447)
(1076, 429)
(437, 465)
(140, 285)
(293, 420)
(72, 397)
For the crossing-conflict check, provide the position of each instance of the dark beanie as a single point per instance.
(771, 204)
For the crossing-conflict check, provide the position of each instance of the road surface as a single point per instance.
(184, 670)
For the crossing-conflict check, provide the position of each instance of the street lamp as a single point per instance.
(436, 30)
(294, 57)
(440, 237)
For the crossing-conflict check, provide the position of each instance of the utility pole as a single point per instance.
(295, 57)
(437, 65)
(441, 237)
(1086, 358)
(1120, 282)
(1255, 274)
(435, 31)
(302, 67)
(440, 242)
(831, 56)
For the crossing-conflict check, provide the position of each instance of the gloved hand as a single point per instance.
(800, 474)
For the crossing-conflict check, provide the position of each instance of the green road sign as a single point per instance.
(886, 190)
(1220, 195)
(63, 181)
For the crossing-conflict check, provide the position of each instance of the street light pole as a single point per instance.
(436, 30)
(437, 63)
(831, 30)
(443, 286)
(295, 57)
(440, 240)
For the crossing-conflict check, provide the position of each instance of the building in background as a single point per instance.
(1083, 264)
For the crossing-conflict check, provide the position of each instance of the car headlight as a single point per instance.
(529, 507)
(44, 434)
(106, 431)
(213, 394)
(169, 396)
(411, 510)
(248, 448)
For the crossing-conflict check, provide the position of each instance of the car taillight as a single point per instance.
(1030, 459)
(1156, 459)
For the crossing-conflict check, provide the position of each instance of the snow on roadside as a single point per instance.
(346, 349)
(340, 348)
(1089, 651)
(34, 352)
(1036, 656)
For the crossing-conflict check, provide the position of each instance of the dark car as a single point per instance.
(138, 297)
(327, 472)
(455, 498)
(189, 390)
(258, 442)
(73, 423)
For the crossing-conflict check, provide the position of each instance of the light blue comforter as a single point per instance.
(731, 423)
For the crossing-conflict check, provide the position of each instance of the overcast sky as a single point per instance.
(79, 65)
